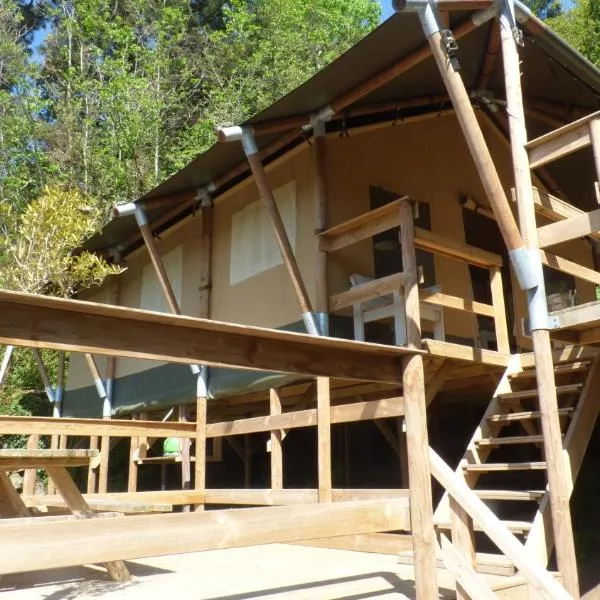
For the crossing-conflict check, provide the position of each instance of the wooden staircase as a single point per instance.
(504, 462)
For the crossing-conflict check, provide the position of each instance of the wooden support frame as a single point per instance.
(569, 229)
(276, 443)
(324, 438)
(416, 421)
(523, 162)
(66, 543)
(56, 323)
(545, 584)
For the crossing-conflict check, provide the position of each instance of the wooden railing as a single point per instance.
(387, 217)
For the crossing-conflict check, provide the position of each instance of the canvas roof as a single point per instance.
(552, 71)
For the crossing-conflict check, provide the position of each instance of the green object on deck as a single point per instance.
(171, 446)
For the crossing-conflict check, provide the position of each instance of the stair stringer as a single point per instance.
(540, 541)
(473, 454)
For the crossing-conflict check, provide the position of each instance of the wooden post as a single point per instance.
(477, 145)
(595, 137)
(276, 447)
(463, 539)
(268, 199)
(29, 476)
(92, 476)
(200, 464)
(247, 461)
(421, 505)
(132, 473)
(500, 324)
(558, 476)
(324, 438)
(206, 260)
(5, 363)
(320, 165)
(186, 470)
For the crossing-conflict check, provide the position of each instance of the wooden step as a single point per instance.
(527, 414)
(525, 394)
(163, 460)
(575, 367)
(518, 527)
(511, 495)
(511, 440)
(505, 466)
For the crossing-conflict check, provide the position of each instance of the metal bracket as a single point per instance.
(553, 322)
(507, 9)
(450, 47)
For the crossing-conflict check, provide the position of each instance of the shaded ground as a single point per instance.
(273, 572)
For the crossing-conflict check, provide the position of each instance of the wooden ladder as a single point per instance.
(504, 462)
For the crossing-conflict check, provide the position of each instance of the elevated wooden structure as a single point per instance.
(541, 403)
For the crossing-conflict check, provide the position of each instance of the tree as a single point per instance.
(580, 27)
(38, 254)
(545, 9)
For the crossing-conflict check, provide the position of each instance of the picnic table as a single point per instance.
(55, 463)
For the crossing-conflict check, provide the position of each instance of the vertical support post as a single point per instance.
(268, 199)
(186, 470)
(247, 461)
(413, 380)
(276, 446)
(206, 258)
(324, 438)
(320, 165)
(29, 476)
(132, 473)
(92, 476)
(595, 137)
(558, 476)
(57, 409)
(200, 465)
(5, 363)
(111, 371)
(463, 539)
(500, 324)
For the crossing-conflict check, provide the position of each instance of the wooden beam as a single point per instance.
(366, 291)
(477, 145)
(569, 229)
(567, 266)
(79, 507)
(379, 543)
(462, 551)
(560, 142)
(89, 427)
(539, 153)
(324, 438)
(31, 547)
(415, 408)
(200, 448)
(276, 443)
(321, 220)
(283, 242)
(41, 321)
(499, 310)
(362, 227)
(469, 585)
(445, 246)
(11, 503)
(575, 316)
(545, 584)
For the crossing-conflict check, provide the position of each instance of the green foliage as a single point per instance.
(580, 27)
(545, 9)
(38, 256)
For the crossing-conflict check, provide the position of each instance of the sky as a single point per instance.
(386, 5)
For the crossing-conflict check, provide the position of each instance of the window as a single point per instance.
(253, 245)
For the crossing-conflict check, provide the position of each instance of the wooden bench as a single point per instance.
(55, 462)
